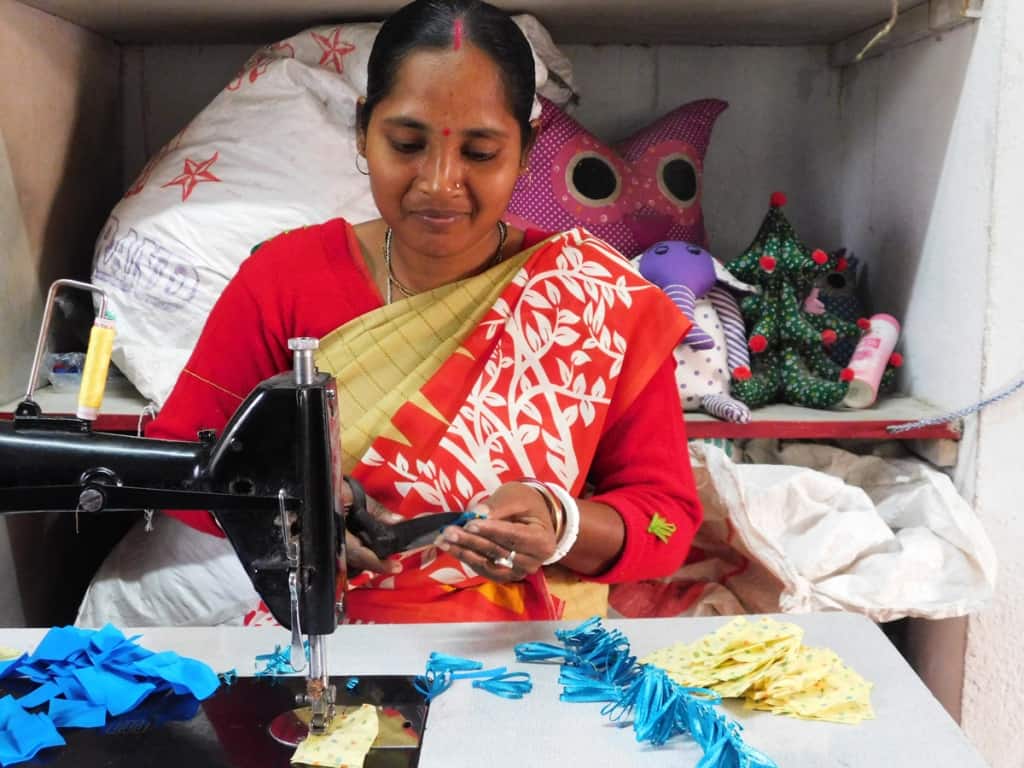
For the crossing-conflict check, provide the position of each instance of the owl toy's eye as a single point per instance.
(592, 180)
(589, 182)
(678, 179)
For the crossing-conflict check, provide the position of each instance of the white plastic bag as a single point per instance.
(816, 528)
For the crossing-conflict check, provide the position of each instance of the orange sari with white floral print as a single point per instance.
(513, 373)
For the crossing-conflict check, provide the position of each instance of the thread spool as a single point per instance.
(94, 373)
(870, 358)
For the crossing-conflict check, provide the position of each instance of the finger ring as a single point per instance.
(509, 561)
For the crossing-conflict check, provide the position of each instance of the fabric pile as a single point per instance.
(766, 663)
(84, 677)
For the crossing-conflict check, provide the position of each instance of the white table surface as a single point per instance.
(470, 727)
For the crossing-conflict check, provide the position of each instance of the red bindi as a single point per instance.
(457, 35)
(446, 132)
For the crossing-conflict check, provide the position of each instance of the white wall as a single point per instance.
(781, 131)
(993, 706)
(931, 166)
(915, 185)
(58, 106)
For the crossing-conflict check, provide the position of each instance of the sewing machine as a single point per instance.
(272, 479)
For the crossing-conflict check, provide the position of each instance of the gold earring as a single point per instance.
(367, 171)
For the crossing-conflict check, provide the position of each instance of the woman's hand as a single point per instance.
(512, 542)
(358, 556)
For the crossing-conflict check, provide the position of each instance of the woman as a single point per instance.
(478, 366)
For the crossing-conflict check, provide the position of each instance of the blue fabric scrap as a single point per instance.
(23, 735)
(110, 690)
(85, 674)
(76, 714)
(40, 695)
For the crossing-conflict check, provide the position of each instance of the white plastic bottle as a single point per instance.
(870, 359)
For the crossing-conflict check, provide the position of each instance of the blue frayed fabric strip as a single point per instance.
(83, 676)
(464, 518)
(598, 667)
(442, 662)
(279, 661)
(509, 685)
(443, 670)
(479, 673)
(433, 684)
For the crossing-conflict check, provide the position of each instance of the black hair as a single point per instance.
(431, 24)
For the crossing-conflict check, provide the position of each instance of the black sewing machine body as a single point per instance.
(273, 472)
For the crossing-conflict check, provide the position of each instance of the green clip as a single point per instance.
(661, 528)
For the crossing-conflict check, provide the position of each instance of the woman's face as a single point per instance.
(444, 151)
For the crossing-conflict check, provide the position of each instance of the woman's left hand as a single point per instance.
(512, 542)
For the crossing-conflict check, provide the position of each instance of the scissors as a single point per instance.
(385, 539)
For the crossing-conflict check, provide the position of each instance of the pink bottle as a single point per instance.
(870, 359)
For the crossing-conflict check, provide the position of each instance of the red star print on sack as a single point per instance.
(258, 63)
(147, 169)
(334, 48)
(194, 174)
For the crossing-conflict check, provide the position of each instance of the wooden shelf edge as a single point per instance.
(817, 430)
(121, 414)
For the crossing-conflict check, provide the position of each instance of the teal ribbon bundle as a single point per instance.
(443, 670)
(278, 662)
(597, 666)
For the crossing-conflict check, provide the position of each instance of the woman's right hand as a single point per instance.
(359, 557)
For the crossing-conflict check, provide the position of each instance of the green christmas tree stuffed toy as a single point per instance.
(790, 341)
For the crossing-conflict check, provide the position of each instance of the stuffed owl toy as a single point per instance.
(633, 194)
(715, 348)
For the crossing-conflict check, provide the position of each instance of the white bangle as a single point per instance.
(571, 531)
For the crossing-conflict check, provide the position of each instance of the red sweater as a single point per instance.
(310, 281)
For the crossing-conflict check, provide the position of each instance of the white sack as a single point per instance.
(273, 151)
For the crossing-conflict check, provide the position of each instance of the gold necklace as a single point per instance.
(407, 292)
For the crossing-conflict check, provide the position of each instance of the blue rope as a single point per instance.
(946, 418)
(598, 666)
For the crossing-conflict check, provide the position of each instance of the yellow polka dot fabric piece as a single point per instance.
(765, 662)
(345, 744)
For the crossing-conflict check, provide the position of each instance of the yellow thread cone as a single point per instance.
(97, 361)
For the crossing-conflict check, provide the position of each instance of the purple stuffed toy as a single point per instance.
(688, 274)
(685, 273)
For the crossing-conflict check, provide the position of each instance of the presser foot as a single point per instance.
(315, 718)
